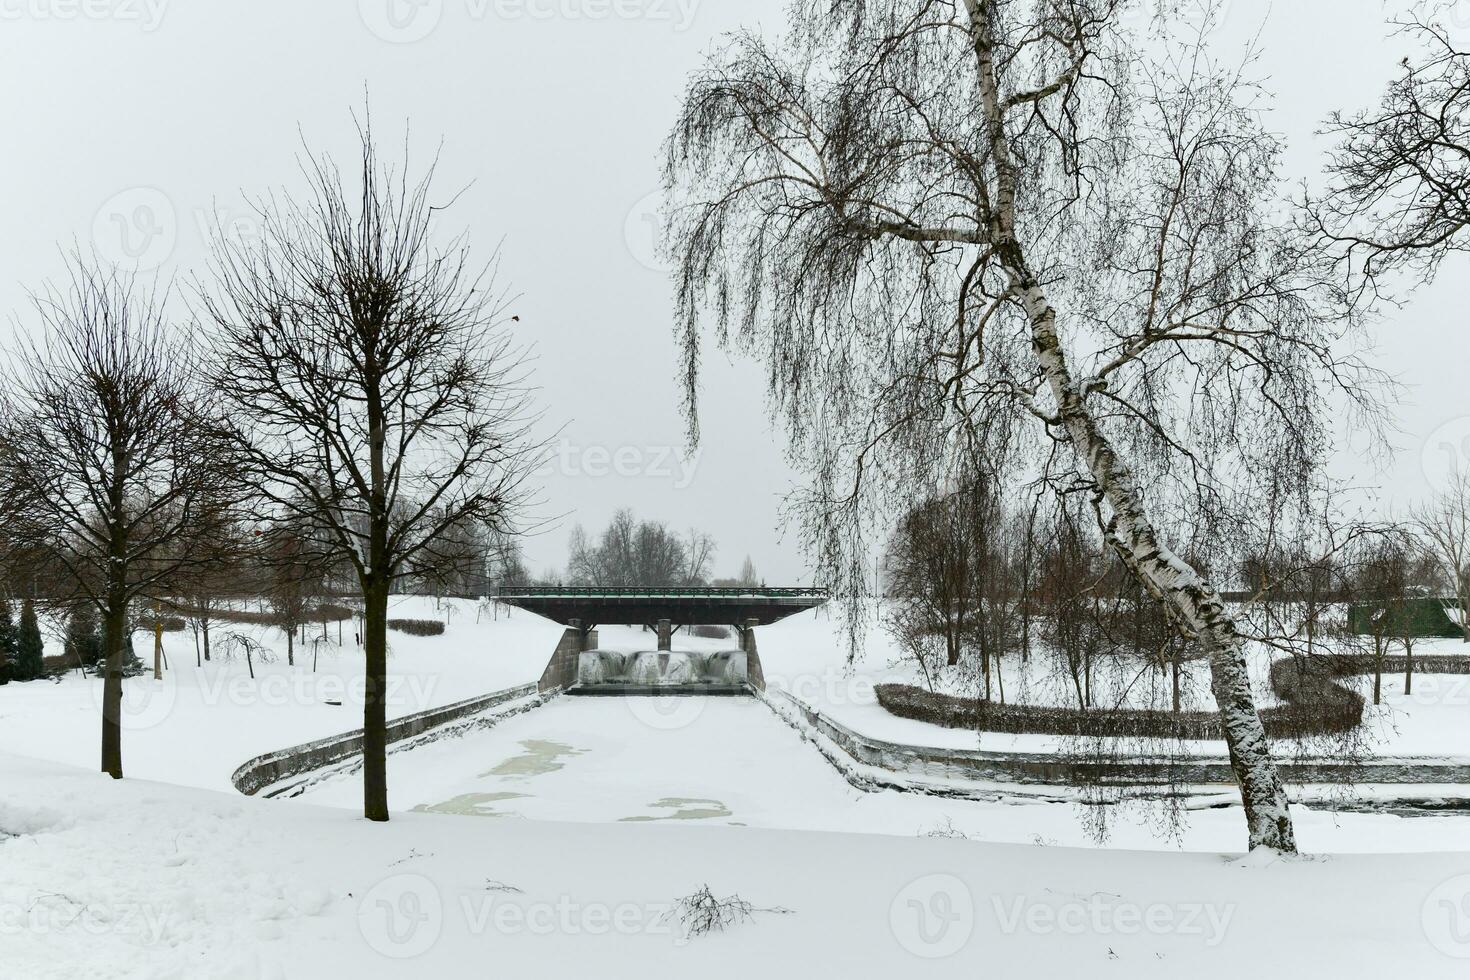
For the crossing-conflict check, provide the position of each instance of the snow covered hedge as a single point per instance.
(417, 627)
(1314, 703)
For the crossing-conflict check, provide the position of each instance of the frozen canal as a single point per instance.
(730, 760)
(725, 760)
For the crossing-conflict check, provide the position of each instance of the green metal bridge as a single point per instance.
(588, 607)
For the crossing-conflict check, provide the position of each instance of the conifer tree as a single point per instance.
(83, 641)
(8, 663)
(28, 647)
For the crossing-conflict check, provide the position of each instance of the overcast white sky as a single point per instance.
(128, 123)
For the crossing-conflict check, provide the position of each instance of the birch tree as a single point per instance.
(379, 397)
(935, 218)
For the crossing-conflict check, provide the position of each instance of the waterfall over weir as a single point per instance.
(661, 672)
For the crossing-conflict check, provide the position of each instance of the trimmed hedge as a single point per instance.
(1413, 617)
(171, 624)
(331, 612)
(1314, 705)
(417, 627)
(977, 714)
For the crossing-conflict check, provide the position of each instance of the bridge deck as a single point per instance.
(645, 606)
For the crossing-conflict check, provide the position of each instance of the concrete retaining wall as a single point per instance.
(264, 770)
(922, 764)
(561, 670)
(756, 675)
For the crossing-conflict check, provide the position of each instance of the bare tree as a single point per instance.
(748, 576)
(109, 455)
(935, 568)
(293, 563)
(222, 568)
(630, 552)
(1397, 200)
(1067, 576)
(931, 218)
(699, 555)
(506, 561)
(380, 399)
(1444, 526)
(1380, 593)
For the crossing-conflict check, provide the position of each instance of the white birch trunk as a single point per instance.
(1129, 528)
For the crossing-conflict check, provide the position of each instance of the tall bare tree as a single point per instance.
(699, 555)
(110, 455)
(1444, 530)
(934, 569)
(929, 216)
(380, 399)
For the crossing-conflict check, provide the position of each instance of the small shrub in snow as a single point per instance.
(710, 632)
(417, 627)
(702, 913)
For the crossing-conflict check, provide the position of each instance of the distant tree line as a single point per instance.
(633, 552)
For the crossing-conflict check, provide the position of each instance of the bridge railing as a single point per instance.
(700, 592)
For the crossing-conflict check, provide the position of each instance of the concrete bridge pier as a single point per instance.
(753, 668)
(665, 635)
(561, 671)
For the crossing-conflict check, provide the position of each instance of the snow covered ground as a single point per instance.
(557, 842)
(197, 724)
(110, 879)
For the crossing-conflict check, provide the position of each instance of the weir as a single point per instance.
(662, 672)
(578, 666)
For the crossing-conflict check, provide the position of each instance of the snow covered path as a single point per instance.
(135, 879)
(732, 762)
